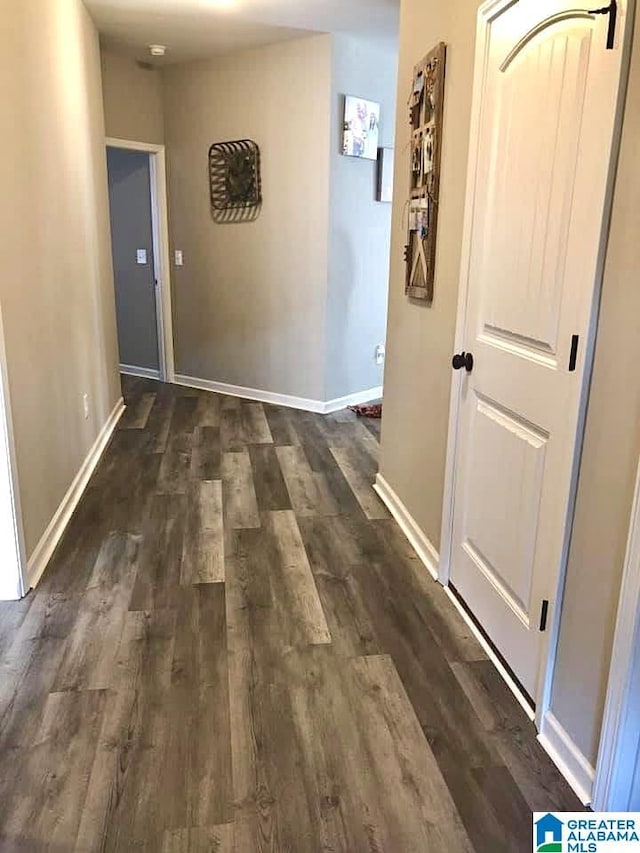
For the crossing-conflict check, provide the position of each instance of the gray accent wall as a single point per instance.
(359, 226)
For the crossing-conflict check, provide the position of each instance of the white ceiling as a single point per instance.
(194, 29)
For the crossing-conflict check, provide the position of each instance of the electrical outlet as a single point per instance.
(380, 354)
(85, 405)
(179, 258)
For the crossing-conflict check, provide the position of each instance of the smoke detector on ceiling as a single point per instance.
(157, 49)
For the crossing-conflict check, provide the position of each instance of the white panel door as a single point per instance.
(546, 101)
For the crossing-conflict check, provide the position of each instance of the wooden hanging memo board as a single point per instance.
(427, 109)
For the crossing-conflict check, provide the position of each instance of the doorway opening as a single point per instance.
(140, 248)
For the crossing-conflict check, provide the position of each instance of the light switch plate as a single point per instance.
(141, 256)
(179, 258)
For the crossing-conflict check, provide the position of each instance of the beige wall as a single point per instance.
(417, 379)
(250, 300)
(420, 338)
(132, 99)
(610, 460)
(56, 284)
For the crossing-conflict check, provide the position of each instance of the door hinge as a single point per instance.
(544, 613)
(573, 358)
(612, 11)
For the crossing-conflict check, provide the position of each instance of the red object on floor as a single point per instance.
(374, 411)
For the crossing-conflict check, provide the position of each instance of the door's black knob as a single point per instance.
(463, 359)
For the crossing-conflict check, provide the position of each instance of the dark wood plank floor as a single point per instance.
(235, 649)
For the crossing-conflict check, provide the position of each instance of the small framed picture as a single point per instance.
(361, 128)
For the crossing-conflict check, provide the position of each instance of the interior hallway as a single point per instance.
(235, 648)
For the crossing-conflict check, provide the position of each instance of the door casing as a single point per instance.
(14, 582)
(162, 263)
(617, 771)
(486, 13)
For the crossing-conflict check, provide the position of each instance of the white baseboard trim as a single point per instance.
(43, 552)
(352, 400)
(142, 372)
(316, 406)
(250, 393)
(567, 757)
(421, 544)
